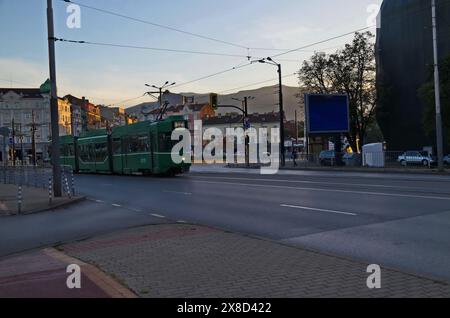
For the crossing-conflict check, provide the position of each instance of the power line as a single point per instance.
(256, 83)
(157, 24)
(324, 41)
(176, 29)
(289, 51)
(151, 48)
(214, 74)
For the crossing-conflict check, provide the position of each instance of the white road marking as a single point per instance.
(316, 209)
(177, 192)
(326, 190)
(316, 182)
(99, 201)
(159, 216)
(117, 205)
(181, 221)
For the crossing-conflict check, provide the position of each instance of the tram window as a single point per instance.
(133, 144)
(165, 142)
(117, 146)
(84, 153)
(100, 152)
(143, 143)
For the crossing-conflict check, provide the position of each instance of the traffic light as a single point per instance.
(214, 100)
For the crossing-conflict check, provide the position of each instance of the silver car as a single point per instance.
(415, 158)
(447, 160)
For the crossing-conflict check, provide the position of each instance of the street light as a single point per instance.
(270, 61)
(160, 90)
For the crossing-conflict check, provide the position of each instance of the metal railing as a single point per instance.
(37, 177)
(384, 159)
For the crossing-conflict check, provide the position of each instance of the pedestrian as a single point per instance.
(294, 156)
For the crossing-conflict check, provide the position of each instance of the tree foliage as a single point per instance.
(348, 71)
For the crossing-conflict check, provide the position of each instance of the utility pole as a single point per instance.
(162, 106)
(269, 60)
(437, 91)
(21, 135)
(13, 142)
(53, 103)
(283, 159)
(33, 138)
(247, 149)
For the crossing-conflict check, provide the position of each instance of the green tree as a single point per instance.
(426, 93)
(350, 71)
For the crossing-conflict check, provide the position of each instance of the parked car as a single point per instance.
(416, 158)
(327, 158)
(447, 160)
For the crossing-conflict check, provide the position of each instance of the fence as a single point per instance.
(385, 159)
(37, 177)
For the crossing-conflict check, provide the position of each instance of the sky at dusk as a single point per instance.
(109, 75)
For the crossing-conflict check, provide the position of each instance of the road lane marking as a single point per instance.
(181, 221)
(325, 190)
(177, 192)
(116, 205)
(314, 182)
(159, 216)
(99, 201)
(316, 209)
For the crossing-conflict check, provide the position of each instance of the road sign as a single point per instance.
(327, 113)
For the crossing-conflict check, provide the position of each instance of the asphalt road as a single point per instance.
(400, 221)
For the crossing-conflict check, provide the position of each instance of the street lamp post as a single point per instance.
(160, 92)
(270, 61)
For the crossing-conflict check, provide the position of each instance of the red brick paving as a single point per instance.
(37, 275)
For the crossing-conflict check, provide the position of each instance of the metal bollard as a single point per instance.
(67, 187)
(73, 184)
(19, 200)
(50, 191)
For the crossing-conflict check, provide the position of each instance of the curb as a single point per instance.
(50, 208)
(430, 172)
(111, 287)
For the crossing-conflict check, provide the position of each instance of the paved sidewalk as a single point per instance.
(189, 261)
(33, 200)
(42, 274)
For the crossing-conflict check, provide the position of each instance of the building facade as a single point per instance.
(404, 51)
(24, 112)
(65, 117)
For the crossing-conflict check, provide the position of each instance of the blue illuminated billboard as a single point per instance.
(327, 113)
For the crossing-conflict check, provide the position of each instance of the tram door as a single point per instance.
(153, 144)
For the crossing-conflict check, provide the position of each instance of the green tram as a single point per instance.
(144, 147)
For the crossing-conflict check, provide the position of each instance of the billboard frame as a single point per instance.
(326, 132)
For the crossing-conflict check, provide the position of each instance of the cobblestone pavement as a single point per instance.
(191, 261)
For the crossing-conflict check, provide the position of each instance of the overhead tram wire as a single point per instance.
(250, 63)
(247, 48)
(150, 48)
(257, 83)
(157, 25)
(284, 53)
